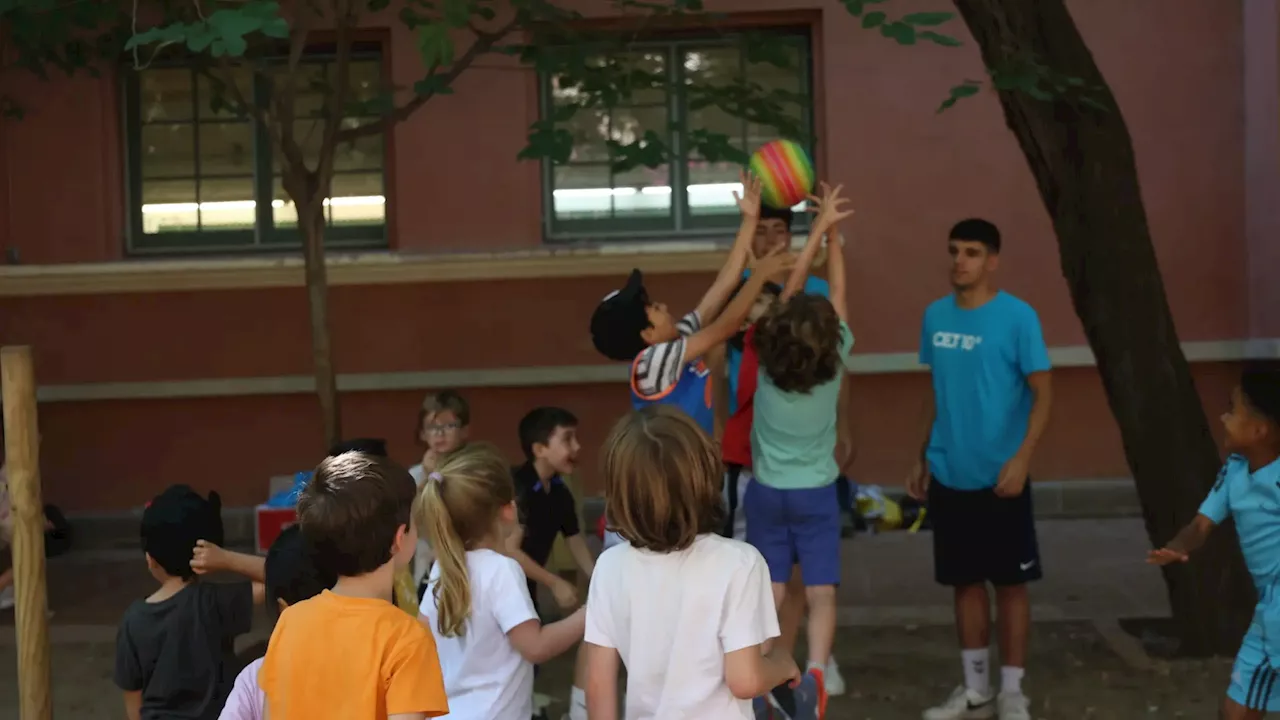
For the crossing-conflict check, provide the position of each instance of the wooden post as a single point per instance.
(22, 440)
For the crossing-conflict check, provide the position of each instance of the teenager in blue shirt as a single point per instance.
(989, 407)
(1248, 491)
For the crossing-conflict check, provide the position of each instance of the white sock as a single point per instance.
(577, 704)
(1011, 679)
(977, 670)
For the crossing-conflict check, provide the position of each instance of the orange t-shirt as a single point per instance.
(334, 656)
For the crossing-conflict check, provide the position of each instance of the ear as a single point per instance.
(464, 432)
(398, 543)
(281, 604)
(151, 562)
(539, 449)
(993, 261)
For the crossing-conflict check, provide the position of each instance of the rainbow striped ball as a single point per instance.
(785, 172)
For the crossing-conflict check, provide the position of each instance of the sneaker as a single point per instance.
(835, 681)
(783, 701)
(1013, 706)
(811, 696)
(761, 710)
(964, 704)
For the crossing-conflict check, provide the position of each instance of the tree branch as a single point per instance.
(337, 102)
(485, 41)
(283, 95)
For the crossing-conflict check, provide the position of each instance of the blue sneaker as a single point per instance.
(811, 697)
(760, 708)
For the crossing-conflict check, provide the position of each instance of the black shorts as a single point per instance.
(979, 537)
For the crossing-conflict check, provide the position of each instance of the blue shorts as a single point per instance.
(1255, 675)
(795, 527)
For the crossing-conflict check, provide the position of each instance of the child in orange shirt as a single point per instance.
(348, 652)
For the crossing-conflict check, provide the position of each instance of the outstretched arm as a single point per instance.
(731, 274)
(830, 212)
(1188, 540)
(836, 280)
(730, 321)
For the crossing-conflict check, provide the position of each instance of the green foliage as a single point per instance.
(225, 32)
(903, 31)
(69, 37)
(1036, 80)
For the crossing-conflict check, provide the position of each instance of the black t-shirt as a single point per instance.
(546, 509)
(179, 652)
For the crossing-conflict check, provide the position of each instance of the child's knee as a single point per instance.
(820, 595)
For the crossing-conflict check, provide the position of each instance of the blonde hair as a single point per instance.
(662, 480)
(458, 505)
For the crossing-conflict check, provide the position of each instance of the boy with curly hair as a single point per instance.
(793, 517)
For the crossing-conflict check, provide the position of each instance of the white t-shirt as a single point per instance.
(672, 618)
(484, 676)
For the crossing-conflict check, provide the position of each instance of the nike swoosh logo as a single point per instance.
(1026, 565)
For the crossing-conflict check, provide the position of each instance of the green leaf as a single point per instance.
(432, 85)
(276, 28)
(435, 45)
(200, 38)
(940, 39)
(855, 7)
(873, 19)
(457, 13)
(902, 33)
(968, 88)
(928, 19)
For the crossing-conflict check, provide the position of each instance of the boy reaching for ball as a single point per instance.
(666, 355)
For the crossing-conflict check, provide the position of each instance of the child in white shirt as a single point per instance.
(689, 613)
(477, 604)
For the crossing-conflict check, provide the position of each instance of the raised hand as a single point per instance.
(831, 207)
(207, 557)
(749, 200)
(774, 264)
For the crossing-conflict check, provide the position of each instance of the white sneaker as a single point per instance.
(832, 678)
(964, 704)
(1013, 706)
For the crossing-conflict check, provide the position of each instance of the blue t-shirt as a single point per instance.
(812, 286)
(980, 358)
(1253, 501)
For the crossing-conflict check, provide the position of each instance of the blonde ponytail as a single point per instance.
(458, 506)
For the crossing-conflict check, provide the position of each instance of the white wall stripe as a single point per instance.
(534, 376)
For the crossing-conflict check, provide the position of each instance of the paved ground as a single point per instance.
(894, 644)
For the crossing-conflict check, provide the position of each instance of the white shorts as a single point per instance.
(736, 519)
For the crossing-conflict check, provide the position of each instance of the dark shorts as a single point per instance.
(795, 527)
(979, 537)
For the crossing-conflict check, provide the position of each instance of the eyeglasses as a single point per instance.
(442, 429)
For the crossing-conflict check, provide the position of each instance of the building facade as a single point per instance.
(146, 241)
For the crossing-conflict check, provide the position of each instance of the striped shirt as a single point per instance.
(659, 366)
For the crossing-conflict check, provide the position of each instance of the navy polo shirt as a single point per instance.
(546, 509)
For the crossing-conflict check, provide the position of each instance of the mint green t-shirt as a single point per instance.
(793, 435)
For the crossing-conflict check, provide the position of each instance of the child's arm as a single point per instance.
(581, 554)
(1188, 540)
(208, 557)
(602, 682)
(836, 281)
(538, 643)
(133, 705)
(730, 321)
(565, 593)
(718, 365)
(712, 302)
(830, 213)
(752, 672)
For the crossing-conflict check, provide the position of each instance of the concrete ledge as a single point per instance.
(1065, 499)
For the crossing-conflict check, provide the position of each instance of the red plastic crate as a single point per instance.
(269, 522)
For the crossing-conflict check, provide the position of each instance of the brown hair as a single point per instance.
(458, 505)
(662, 480)
(352, 509)
(445, 400)
(798, 342)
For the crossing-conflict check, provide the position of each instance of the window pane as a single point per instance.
(364, 153)
(164, 95)
(643, 77)
(629, 125)
(169, 206)
(366, 80)
(582, 191)
(307, 134)
(711, 188)
(357, 199)
(226, 148)
(590, 129)
(211, 94)
(714, 120)
(227, 204)
(642, 193)
(714, 65)
(168, 151)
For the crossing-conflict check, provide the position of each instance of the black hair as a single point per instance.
(172, 523)
(292, 573)
(1260, 386)
(786, 215)
(977, 230)
(539, 424)
(369, 446)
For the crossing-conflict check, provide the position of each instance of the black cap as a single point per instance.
(620, 318)
(172, 523)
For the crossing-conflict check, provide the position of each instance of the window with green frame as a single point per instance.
(689, 195)
(201, 178)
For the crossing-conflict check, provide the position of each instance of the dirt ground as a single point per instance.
(892, 673)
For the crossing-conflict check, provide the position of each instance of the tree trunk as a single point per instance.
(1083, 163)
(311, 225)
